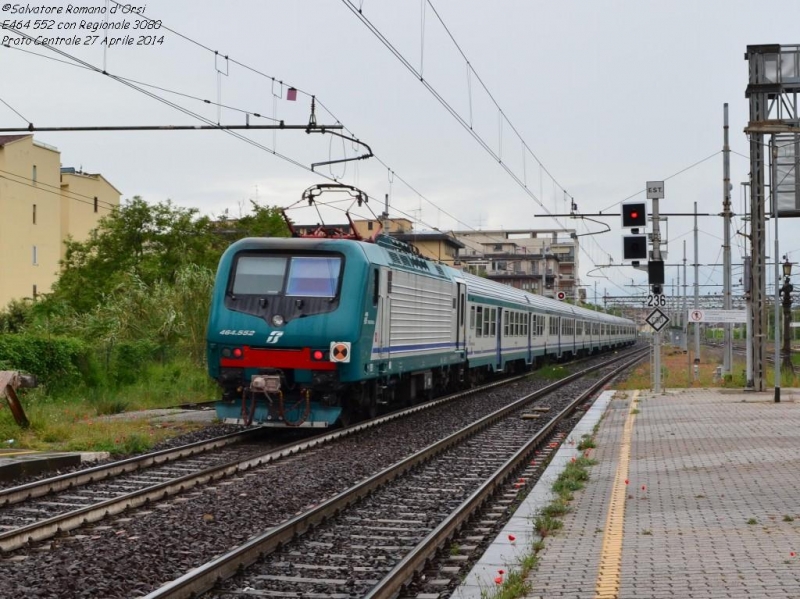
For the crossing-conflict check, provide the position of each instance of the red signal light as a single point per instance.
(318, 355)
(634, 214)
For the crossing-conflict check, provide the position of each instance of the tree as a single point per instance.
(151, 242)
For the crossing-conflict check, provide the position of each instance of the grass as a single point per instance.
(72, 421)
(546, 523)
(587, 442)
(553, 372)
(677, 372)
(752, 521)
(788, 518)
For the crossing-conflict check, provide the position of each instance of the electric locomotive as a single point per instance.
(308, 332)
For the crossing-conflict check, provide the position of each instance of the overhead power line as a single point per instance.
(58, 193)
(39, 184)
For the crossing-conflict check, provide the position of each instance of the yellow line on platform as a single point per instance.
(608, 574)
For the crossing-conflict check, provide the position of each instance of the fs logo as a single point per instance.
(274, 336)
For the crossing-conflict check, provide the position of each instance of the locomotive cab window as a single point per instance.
(259, 275)
(303, 276)
(314, 276)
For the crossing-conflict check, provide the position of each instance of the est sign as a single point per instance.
(655, 190)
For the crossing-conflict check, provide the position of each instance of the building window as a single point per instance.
(369, 226)
(95, 203)
(34, 214)
(33, 174)
(34, 292)
(35, 256)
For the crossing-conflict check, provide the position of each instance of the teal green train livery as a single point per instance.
(308, 332)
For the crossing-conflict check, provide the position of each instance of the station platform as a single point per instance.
(695, 494)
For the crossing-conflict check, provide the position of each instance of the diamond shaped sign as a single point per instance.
(657, 319)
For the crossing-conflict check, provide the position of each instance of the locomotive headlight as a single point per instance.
(278, 320)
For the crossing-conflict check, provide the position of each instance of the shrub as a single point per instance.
(56, 361)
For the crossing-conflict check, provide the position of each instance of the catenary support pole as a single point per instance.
(696, 291)
(773, 155)
(727, 353)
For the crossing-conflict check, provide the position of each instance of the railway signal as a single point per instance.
(634, 247)
(634, 215)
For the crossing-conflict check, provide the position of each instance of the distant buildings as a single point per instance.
(542, 262)
(41, 205)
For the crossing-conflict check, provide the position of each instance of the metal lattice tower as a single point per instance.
(774, 82)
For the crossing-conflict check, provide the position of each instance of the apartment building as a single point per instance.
(433, 245)
(41, 205)
(543, 262)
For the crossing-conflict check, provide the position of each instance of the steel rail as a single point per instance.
(49, 527)
(71, 480)
(414, 561)
(203, 578)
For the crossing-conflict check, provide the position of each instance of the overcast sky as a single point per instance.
(605, 94)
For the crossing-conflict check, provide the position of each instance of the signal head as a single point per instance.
(634, 214)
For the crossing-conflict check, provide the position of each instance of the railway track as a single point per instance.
(41, 509)
(190, 527)
(370, 540)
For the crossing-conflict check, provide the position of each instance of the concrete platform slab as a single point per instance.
(694, 495)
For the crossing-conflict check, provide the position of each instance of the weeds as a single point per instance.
(547, 523)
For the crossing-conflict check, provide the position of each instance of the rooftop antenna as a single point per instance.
(385, 213)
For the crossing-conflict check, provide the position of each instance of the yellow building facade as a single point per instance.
(41, 205)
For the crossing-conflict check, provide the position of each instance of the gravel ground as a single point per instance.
(131, 555)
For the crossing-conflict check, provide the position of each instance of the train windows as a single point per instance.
(376, 286)
(314, 276)
(554, 325)
(479, 321)
(259, 275)
(506, 323)
(538, 325)
(492, 321)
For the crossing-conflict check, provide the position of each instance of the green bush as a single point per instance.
(129, 359)
(56, 361)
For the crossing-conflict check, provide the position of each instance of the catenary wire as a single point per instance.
(73, 193)
(14, 110)
(54, 192)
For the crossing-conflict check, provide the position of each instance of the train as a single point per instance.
(315, 331)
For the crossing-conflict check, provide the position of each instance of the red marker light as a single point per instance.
(237, 352)
(318, 355)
